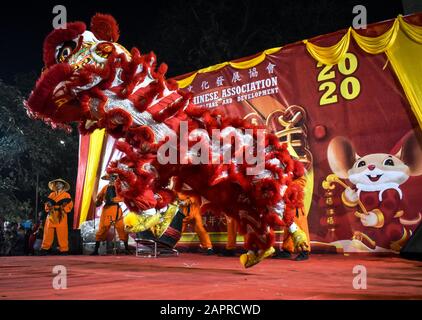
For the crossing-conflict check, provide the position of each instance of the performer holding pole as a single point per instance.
(111, 214)
(58, 205)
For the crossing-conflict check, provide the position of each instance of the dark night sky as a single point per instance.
(187, 35)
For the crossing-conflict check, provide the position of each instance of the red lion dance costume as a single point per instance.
(90, 79)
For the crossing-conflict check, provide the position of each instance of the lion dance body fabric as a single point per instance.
(91, 79)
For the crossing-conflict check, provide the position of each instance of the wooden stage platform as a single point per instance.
(196, 276)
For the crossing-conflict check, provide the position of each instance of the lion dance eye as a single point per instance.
(65, 51)
(104, 49)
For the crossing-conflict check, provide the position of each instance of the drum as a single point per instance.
(173, 232)
(165, 228)
(146, 235)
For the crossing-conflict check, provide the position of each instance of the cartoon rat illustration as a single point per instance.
(377, 195)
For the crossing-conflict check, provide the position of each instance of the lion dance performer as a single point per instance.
(91, 79)
(190, 204)
(111, 214)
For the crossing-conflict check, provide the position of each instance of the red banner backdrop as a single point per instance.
(350, 123)
(311, 105)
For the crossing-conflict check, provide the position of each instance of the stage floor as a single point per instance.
(196, 276)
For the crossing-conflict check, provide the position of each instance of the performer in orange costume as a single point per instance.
(288, 244)
(58, 205)
(111, 214)
(190, 205)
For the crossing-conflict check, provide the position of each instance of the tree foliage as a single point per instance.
(204, 33)
(29, 148)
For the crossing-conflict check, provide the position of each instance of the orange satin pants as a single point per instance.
(61, 230)
(108, 215)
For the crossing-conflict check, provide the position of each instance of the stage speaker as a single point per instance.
(413, 248)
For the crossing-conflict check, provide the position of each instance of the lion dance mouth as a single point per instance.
(91, 79)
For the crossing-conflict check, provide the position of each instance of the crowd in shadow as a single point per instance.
(20, 238)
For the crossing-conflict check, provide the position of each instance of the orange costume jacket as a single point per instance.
(58, 205)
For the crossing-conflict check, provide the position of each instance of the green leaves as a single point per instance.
(28, 147)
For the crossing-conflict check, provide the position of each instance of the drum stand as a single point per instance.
(165, 243)
(156, 249)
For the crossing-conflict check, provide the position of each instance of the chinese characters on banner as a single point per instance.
(341, 121)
